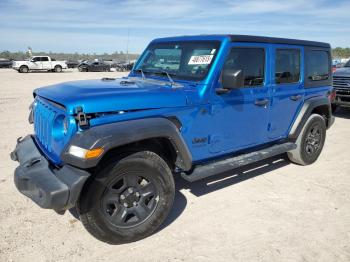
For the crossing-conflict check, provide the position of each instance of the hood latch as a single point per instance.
(81, 117)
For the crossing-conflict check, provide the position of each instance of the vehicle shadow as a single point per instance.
(220, 181)
(214, 183)
(50, 72)
(235, 176)
(342, 112)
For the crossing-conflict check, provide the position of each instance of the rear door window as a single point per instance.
(287, 69)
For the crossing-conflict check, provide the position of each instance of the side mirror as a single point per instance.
(231, 79)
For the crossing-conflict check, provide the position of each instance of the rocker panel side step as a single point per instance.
(214, 168)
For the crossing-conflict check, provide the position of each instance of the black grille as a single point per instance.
(341, 82)
(44, 115)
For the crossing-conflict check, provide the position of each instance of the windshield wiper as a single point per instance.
(141, 71)
(167, 74)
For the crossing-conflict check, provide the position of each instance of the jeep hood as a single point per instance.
(97, 96)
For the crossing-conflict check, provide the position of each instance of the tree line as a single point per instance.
(120, 56)
(340, 52)
(337, 52)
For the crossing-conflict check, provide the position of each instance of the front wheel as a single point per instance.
(310, 141)
(129, 199)
(23, 69)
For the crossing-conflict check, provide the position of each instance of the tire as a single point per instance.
(334, 107)
(58, 69)
(310, 141)
(24, 69)
(128, 199)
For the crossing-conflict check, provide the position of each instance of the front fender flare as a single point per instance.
(117, 134)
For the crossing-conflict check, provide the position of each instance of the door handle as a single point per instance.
(261, 102)
(295, 98)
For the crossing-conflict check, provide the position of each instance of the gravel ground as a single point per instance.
(270, 211)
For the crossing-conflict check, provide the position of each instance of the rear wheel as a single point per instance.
(58, 69)
(129, 199)
(310, 141)
(24, 69)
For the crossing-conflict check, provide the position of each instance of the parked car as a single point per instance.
(109, 148)
(122, 66)
(93, 66)
(5, 63)
(341, 84)
(39, 63)
(72, 64)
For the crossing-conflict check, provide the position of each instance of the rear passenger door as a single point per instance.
(287, 92)
(46, 64)
(95, 67)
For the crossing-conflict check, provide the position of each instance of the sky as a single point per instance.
(99, 26)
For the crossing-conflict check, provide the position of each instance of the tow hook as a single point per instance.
(13, 154)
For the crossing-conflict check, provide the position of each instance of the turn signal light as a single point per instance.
(85, 153)
(93, 153)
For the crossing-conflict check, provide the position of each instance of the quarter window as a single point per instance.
(317, 65)
(251, 61)
(287, 66)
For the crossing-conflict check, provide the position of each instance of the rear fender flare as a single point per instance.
(305, 112)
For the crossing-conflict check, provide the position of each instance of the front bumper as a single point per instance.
(48, 186)
(342, 96)
(340, 102)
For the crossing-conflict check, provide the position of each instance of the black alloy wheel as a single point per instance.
(130, 200)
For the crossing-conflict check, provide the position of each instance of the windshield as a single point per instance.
(187, 60)
(347, 64)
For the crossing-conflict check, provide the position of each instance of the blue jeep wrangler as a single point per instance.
(193, 106)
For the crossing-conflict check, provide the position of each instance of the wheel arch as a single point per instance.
(315, 105)
(157, 134)
(23, 66)
(160, 145)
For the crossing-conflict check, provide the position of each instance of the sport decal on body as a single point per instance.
(200, 59)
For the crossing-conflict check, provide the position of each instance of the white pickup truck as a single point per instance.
(39, 63)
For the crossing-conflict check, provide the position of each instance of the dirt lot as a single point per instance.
(271, 211)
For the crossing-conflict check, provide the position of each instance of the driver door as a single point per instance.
(35, 63)
(241, 116)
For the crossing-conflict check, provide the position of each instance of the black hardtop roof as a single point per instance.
(276, 40)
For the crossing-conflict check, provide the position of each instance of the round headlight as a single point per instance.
(65, 126)
(60, 127)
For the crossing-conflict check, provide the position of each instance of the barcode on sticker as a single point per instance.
(200, 59)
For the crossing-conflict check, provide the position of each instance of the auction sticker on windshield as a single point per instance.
(200, 59)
